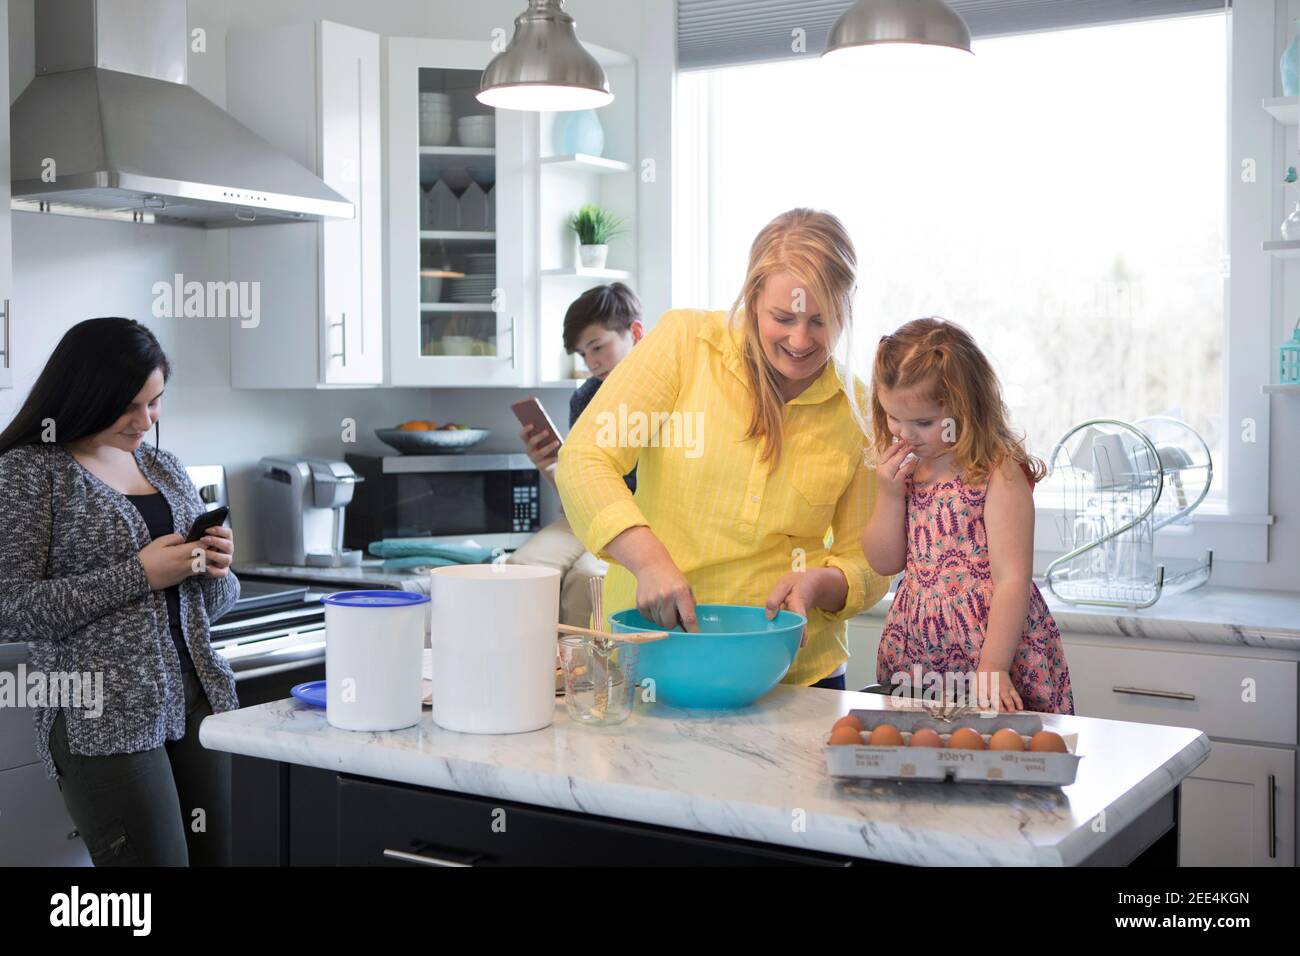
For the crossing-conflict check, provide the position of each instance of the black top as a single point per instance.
(157, 515)
(578, 404)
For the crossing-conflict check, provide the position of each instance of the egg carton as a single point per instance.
(960, 766)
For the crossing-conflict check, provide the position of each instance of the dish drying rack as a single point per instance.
(1120, 483)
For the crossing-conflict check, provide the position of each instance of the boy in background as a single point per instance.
(601, 325)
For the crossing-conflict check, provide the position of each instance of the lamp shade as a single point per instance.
(545, 67)
(872, 23)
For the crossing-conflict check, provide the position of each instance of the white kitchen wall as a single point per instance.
(69, 269)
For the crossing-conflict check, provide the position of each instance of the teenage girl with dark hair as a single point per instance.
(96, 575)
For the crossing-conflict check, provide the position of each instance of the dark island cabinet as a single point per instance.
(289, 815)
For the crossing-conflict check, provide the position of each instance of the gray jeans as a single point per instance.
(143, 809)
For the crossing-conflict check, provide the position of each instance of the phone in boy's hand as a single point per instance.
(531, 412)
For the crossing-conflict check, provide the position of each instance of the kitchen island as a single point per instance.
(746, 786)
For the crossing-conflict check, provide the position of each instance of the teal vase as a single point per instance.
(579, 132)
(1291, 66)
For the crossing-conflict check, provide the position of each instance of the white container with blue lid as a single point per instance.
(374, 643)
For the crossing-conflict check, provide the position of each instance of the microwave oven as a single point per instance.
(494, 499)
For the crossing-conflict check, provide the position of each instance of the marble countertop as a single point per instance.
(1205, 615)
(747, 774)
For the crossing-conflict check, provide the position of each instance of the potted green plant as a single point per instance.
(595, 227)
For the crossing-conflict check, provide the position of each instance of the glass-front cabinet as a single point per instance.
(458, 202)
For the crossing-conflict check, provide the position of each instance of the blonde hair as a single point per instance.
(942, 359)
(815, 248)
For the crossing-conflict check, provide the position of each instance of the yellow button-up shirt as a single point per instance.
(678, 407)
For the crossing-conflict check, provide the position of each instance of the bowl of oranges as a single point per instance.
(420, 437)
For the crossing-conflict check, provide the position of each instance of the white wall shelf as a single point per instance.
(460, 152)
(435, 159)
(577, 272)
(1284, 109)
(1280, 389)
(1282, 248)
(567, 179)
(465, 235)
(581, 162)
(455, 306)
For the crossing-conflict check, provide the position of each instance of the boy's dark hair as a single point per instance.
(614, 306)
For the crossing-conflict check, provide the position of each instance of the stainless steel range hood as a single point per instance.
(110, 129)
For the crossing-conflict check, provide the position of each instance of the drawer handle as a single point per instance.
(1272, 816)
(1146, 692)
(423, 859)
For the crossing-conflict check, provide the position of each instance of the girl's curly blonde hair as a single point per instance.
(942, 359)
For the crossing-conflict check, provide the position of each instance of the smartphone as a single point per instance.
(531, 412)
(209, 519)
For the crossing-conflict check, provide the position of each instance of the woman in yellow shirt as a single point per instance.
(752, 487)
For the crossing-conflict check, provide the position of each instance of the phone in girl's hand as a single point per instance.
(209, 519)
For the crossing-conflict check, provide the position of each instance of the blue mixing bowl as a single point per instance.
(737, 656)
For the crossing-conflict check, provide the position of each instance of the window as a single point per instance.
(1062, 196)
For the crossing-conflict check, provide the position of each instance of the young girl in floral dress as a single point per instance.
(955, 510)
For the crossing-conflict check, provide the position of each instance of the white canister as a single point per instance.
(492, 631)
(374, 644)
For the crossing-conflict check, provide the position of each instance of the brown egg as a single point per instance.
(925, 737)
(848, 721)
(1006, 739)
(845, 736)
(1047, 742)
(963, 738)
(885, 735)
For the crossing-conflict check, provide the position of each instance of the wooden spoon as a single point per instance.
(641, 637)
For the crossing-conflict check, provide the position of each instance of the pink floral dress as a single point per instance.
(942, 604)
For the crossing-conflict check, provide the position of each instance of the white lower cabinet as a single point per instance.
(864, 640)
(1238, 808)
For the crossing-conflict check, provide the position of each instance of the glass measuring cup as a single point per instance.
(598, 690)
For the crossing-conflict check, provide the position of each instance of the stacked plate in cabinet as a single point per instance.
(471, 289)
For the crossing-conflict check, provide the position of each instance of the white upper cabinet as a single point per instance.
(462, 252)
(313, 90)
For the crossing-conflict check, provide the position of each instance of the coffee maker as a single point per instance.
(300, 504)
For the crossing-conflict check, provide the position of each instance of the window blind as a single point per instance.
(713, 33)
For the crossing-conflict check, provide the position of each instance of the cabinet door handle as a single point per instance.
(1147, 692)
(5, 351)
(514, 345)
(343, 334)
(423, 859)
(1272, 816)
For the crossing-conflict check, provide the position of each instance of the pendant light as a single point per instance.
(545, 68)
(872, 25)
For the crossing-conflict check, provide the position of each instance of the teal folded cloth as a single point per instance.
(427, 551)
(398, 564)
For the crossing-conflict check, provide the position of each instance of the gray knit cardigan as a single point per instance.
(71, 584)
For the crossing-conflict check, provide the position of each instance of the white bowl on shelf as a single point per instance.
(478, 132)
(435, 133)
